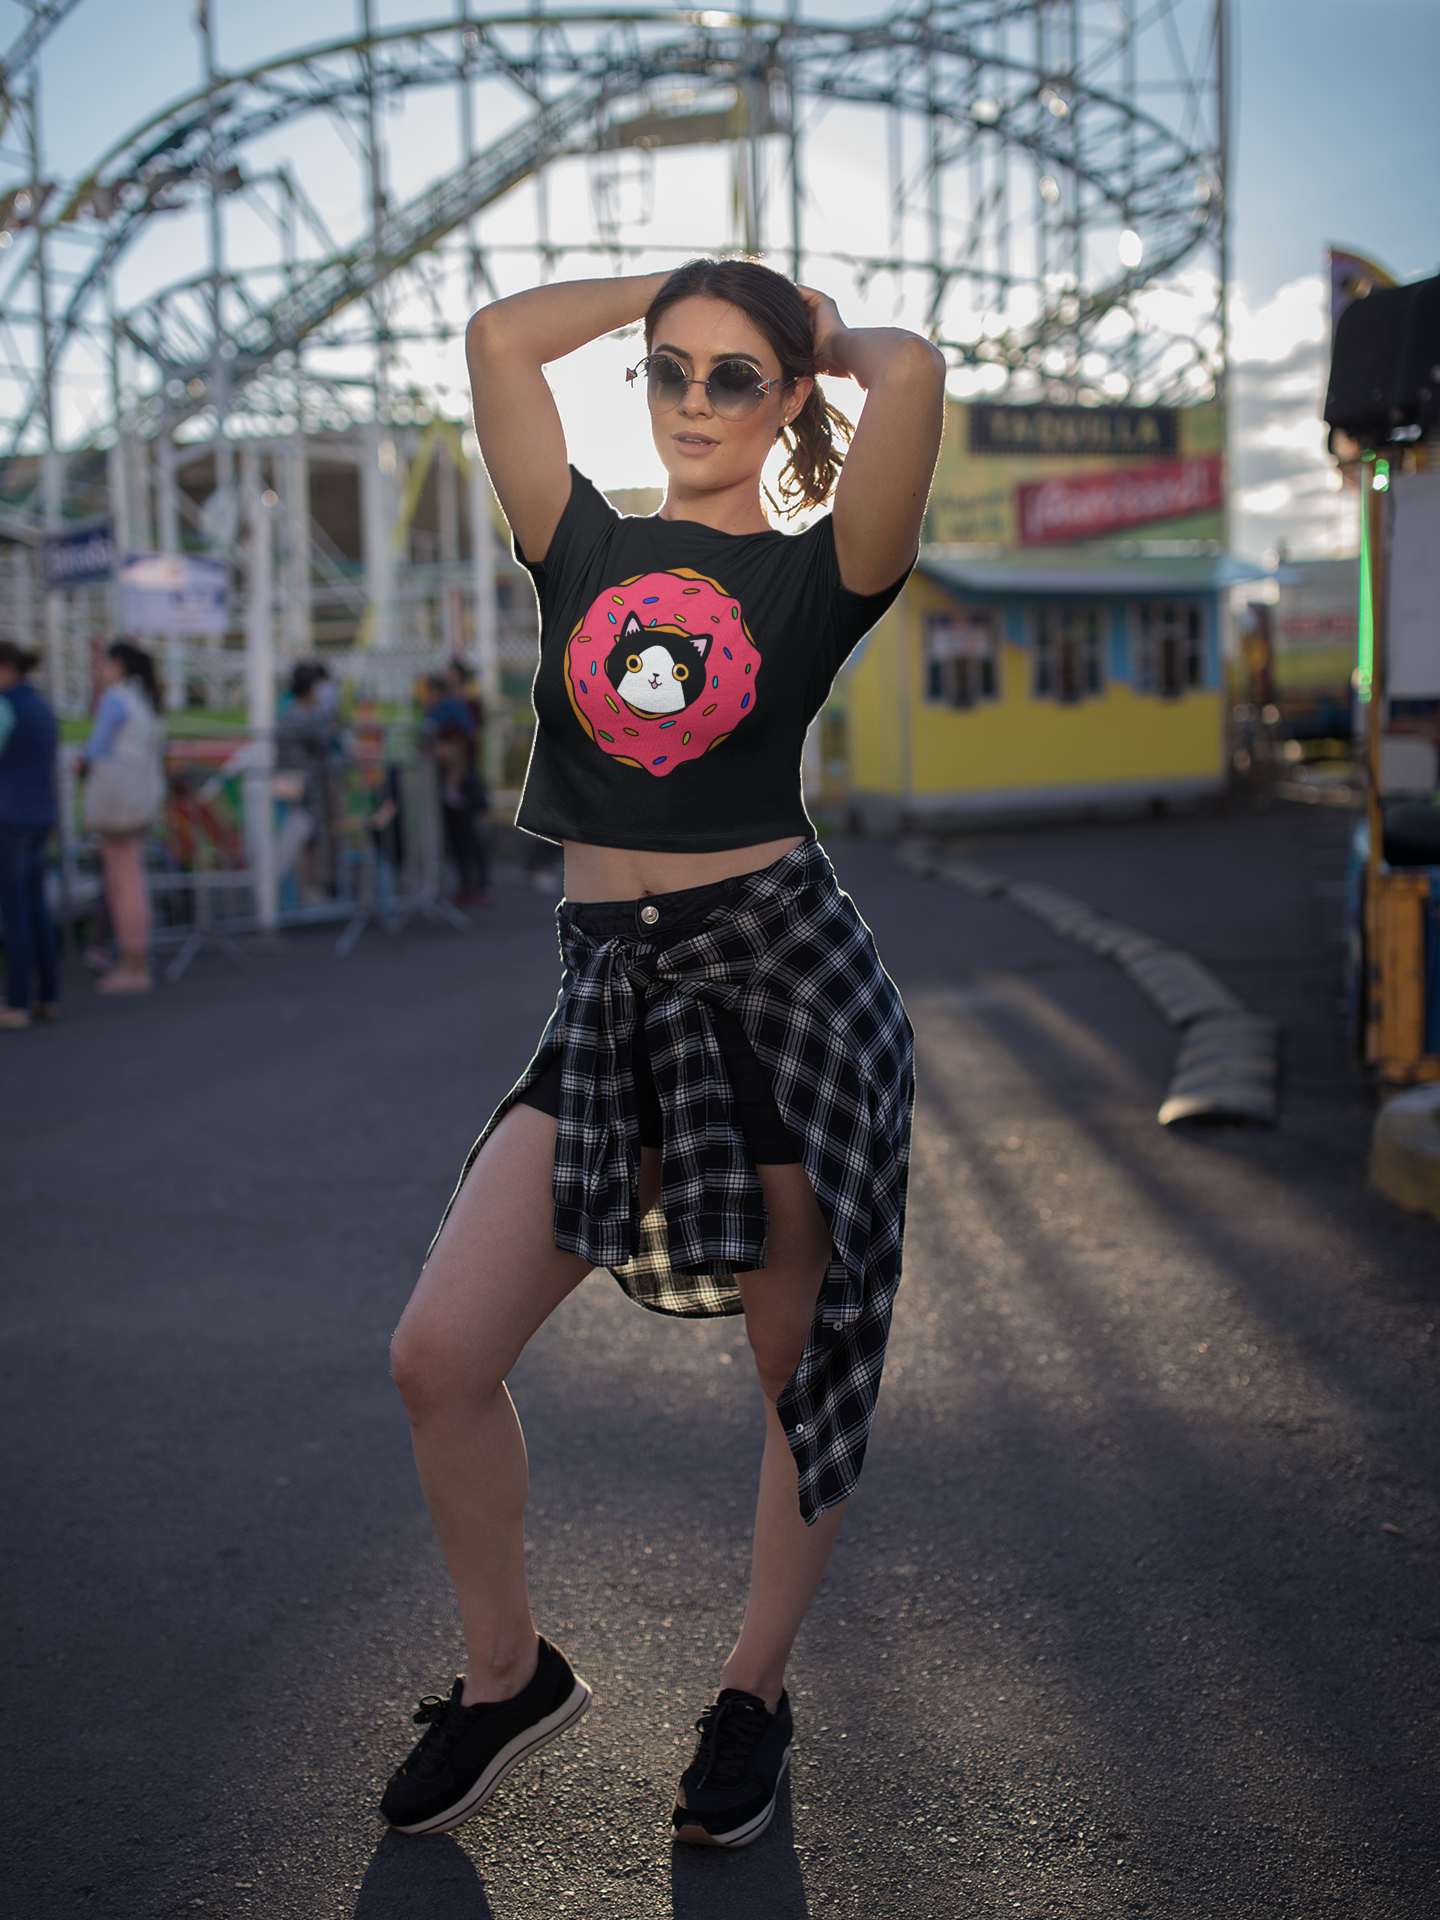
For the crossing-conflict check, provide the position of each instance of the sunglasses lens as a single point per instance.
(735, 389)
(664, 381)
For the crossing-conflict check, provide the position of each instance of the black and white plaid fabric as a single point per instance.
(790, 956)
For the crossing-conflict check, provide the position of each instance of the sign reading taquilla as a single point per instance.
(1111, 432)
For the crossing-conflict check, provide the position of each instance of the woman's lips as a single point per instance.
(694, 442)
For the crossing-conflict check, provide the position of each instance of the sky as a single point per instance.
(1336, 141)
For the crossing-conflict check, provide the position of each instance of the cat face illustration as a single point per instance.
(661, 669)
(657, 671)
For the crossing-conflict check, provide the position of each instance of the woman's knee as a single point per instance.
(435, 1374)
(775, 1364)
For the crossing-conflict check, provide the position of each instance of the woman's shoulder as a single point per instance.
(131, 703)
(586, 519)
(807, 549)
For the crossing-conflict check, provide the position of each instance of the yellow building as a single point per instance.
(1054, 683)
(1058, 647)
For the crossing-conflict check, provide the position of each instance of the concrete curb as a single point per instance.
(1405, 1151)
(1228, 1067)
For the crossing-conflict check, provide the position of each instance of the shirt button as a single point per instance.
(649, 915)
(799, 1426)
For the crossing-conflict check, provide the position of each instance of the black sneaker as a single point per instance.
(467, 1751)
(727, 1793)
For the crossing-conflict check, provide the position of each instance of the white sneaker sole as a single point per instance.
(505, 1762)
(741, 1836)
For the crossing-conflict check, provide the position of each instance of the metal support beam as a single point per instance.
(295, 565)
(167, 505)
(796, 186)
(377, 517)
(260, 696)
(220, 510)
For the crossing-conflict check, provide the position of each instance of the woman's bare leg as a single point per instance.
(494, 1277)
(788, 1559)
(122, 856)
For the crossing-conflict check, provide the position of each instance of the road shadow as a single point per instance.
(707, 1883)
(427, 1877)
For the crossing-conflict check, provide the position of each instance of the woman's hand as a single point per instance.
(825, 323)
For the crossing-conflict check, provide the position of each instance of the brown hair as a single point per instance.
(22, 659)
(138, 665)
(817, 436)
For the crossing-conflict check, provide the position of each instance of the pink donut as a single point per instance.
(661, 669)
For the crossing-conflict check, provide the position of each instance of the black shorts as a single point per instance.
(766, 1135)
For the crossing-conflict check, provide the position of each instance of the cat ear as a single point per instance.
(633, 625)
(700, 642)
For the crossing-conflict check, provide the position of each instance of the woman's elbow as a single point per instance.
(920, 363)
(484, 337)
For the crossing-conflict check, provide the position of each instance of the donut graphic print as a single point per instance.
(661, 669)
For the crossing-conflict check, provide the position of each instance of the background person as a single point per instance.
(304, 748)
(727, 1049)
(27, 817)
(451, 734)
(124, 771)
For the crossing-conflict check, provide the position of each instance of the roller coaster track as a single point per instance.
(919, 64)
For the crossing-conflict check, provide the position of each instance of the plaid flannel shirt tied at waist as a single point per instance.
(791, 958)
(711, 1198)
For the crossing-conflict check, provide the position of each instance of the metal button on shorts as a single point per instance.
(649, 915)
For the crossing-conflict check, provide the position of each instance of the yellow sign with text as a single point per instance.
(1036, 477)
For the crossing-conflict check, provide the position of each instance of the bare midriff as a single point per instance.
(622, 873)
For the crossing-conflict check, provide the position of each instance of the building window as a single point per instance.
(1170, 650)
(1067, 653)
(961, 664)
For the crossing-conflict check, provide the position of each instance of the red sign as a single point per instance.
(1080, 506)
(1318, 626)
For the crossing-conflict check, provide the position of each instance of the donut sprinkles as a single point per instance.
(661, 669)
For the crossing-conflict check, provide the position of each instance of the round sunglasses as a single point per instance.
(733, 389)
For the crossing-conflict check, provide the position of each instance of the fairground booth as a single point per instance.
(1059, 645)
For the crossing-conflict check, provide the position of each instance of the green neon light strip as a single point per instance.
(1365, 661)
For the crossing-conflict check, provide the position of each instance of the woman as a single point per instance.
(304, 738)
(27, 819)
(719, 1108)
(124, 769)
(453, 727)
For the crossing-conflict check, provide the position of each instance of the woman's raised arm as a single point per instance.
(880, 496)
(508, 345)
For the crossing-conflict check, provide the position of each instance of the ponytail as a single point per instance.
(816, 440)
(139, 666)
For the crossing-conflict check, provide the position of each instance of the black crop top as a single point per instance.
(679, 671)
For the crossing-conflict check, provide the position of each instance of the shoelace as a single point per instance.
(444, 1729)
(728, 1731)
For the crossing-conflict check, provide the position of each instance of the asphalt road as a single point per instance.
(1137, 1610)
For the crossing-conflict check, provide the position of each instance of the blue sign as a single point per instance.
(84, 558)
(174, 593)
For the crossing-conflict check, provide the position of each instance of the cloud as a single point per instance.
(1282, 474)
(1264, 499)
(1294, 317)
